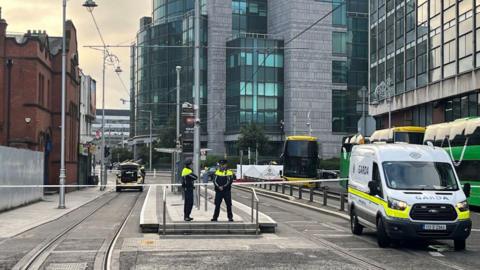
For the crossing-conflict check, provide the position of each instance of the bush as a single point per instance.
(329, 164)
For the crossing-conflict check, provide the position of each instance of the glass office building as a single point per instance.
(349, 64)
(164, 42)
(430, 51)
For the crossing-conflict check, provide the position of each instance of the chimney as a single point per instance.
(3, 26)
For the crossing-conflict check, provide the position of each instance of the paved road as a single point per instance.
(305, 239)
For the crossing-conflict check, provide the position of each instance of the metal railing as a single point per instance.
(165, 210)
(255, 201)
(324, 192)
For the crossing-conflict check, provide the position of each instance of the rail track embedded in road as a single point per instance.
(35, 258)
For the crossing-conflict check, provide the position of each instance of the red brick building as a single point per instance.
(30, 97)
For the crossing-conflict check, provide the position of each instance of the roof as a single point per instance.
(403, 152)
(384, 135)
(464, 126)
(301, 138)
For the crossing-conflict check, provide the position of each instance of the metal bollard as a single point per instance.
(276, 187)
(311, 194)
(270, 187)
(291, 190)
(342, 201)
(325, 196)
(300, 189)
(283, 188)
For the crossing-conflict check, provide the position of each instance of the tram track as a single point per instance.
(38, 256)
(351, 255)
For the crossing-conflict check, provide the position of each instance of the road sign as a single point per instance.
(366, 126)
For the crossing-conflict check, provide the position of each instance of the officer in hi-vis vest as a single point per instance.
(223, 180)
(188, 179)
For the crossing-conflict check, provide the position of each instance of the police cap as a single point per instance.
(188, 162)
(223, 162)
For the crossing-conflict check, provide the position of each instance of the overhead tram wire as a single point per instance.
(113, 59)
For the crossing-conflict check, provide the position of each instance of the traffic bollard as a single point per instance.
(325, 196)
(300, 189)
(291, 190)
(283, 188)
(276, 187)
(311, 194)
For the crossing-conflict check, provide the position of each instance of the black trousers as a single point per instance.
(187, 208)
(225, 195)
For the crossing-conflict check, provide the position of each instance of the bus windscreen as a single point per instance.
(302, 149)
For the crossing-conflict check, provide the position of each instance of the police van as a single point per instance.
(406, 191)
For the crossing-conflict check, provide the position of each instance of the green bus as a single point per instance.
(461, 140)
(348, 143)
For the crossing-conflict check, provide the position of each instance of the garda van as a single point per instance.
(406, 191)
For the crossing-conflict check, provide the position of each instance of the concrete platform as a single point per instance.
(151, 217)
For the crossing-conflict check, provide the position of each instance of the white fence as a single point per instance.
(20, 167)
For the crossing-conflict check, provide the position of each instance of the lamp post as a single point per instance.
(384, 90)
(61, 197)
(151, 139)
(196, 136)
(109, 59)
(179, 68)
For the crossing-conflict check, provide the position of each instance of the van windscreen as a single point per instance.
(419, 175)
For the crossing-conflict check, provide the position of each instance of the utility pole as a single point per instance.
(196, 139)
(61, 203)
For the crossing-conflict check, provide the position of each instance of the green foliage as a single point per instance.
(330, 164)
(121, 154)
(251, 136)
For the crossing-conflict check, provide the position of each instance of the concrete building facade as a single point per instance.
(430, 50)
(257, 70)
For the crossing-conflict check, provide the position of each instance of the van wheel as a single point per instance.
(141, 189)
(355, 226)
(382, 238)
(459, 244)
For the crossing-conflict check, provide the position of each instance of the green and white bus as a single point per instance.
(461, 140)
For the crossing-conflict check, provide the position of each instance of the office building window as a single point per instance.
(344, 115)
(449, 51)
(339, 72)
(339, 42)
(339, 15)
(465, 50)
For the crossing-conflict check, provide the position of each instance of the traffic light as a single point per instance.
(107, 151)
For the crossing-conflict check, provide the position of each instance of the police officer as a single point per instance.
(223, 180)
(188, 178)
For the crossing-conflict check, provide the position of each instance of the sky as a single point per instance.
(118, 21)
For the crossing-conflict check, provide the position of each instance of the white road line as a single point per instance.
(475, 230)
(436, 254)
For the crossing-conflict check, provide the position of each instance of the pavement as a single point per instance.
(27, 217)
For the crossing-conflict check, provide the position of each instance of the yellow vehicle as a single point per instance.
(407, 134)
(300, 159)
(130, 176)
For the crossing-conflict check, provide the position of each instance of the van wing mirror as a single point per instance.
(373, 188)
(466, 189)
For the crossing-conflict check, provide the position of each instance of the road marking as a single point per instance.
(475, 230)
(331, 226)
(436, 254)
(333, 235)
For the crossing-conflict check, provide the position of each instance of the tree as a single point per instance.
(252, 136)
(121, 154)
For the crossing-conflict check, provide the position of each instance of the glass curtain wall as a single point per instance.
(156, 78)
(349, 40)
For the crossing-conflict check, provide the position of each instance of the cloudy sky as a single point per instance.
(118, 21)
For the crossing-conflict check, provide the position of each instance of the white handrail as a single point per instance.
(255, 201)
(164, 210)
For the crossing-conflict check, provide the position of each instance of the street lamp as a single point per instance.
(61, 197)
(384, 90)
(110, 59)
(151, 140)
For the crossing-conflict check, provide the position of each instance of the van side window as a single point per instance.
(377, 179)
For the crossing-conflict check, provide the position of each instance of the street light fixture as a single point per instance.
(110, 59)
(384, 90)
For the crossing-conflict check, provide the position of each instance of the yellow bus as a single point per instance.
(300, 159)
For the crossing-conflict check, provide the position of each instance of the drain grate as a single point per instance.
(67, 266)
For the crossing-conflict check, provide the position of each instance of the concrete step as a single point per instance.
(209, 228)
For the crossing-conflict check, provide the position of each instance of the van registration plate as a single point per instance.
(435, 227)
